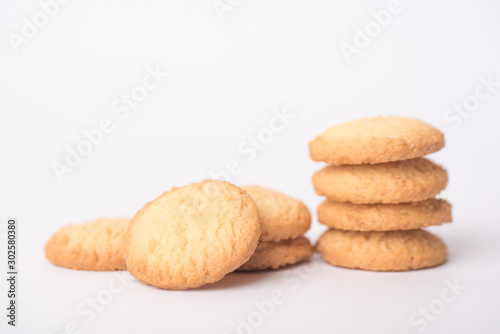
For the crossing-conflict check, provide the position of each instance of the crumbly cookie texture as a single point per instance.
(392, 182)
(95, 245)
(276, 254)
(384, 217)
(376, 140)
(281, 217)
(382, 251)
(192, 235)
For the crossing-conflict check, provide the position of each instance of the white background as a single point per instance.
(225, 78)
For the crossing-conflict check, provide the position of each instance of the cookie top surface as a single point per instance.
(95, 245)
(376, 140)
(384, 217)
(192, 235)
(281, 217)
(276, 254)
(382, 251)
(391, 182)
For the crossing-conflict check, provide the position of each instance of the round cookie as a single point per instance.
(392, 182)
(281, 217)
(192, 235)
(376, 140)
(276, 254)
(384, 217)
(96, 245)
(382, 251)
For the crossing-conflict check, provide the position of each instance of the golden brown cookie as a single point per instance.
(96, 245)
(376, 140)
(276, 254)
(392, 182)
(382, 251)
(281, 217)
(384, 217)
(192, 235)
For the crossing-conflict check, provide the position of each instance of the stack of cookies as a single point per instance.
(283, 223)
(191, 236)
(380, 193)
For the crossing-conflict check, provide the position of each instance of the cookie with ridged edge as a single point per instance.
(281, 217)
(384, 217)
(95, 245)
(376, 140)
(392, 182)
(382, 251)
(276, 254)
(192, 235)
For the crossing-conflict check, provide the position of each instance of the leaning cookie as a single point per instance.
(281, 217)
(392, 182)
(384, 217)
(192, 235)
(382, 251)
(376, 140)
(276, 254)
(96, 245)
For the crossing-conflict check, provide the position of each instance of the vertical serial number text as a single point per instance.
(11, 271)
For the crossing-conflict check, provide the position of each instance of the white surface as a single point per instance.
(225, 79)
